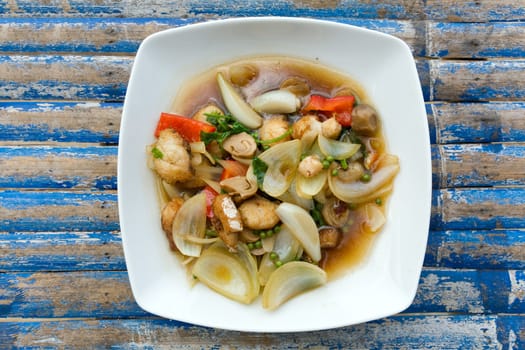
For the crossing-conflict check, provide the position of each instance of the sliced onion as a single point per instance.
(287, 249)
(226, 273)
(282, 160)
(276, 101)
(358, 191)
(200, 148)
(337, 149)
(302, 226)
(310, 186)
(236, 105)
(190, 220)
(374, 218)
(291, 196)
(290, 280)
(209, 172)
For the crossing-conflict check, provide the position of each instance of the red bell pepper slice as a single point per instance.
(210, 196)
(340, 106)
(232, 168)
(189, 129)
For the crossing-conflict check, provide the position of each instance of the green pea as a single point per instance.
(278, 263)
(335, 172)
(262, 235)
(366, 177)
(251, 245)
(277, 229)
(274, 256)
(379, 201)
(258, 244)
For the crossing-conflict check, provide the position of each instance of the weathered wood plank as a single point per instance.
(452, 209)
(475, 11)
(58, 167)
(100, 122)
(476, 165)
(60, 121)
(108, 295)
(105, 78)
(124, 35)
(58, 211)
(491, 249)
(472, 208)
(476, 122)
(449, 10)
(74, 294)
(80, 251)
(477, 80)
(476, 40)
(215, 9)
(410, 332)
(95, 167)
(64, 77)
(61, 251)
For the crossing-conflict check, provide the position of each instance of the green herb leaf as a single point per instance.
(225, 126)
(259, 170)
(157, 153)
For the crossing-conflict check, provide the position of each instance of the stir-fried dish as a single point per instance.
(273, 176)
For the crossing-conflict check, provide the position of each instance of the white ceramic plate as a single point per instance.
(386, 282)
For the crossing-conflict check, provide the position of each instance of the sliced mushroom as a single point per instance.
(329, 237)
(335, 212)
(211, 108)
(259, 213)
(239, 186)
(229, 218)
(240, 145)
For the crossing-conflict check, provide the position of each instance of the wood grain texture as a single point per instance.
(60, 122)
(449, 10)
(105, 78)
(410, 332)
(476, 249)
(61, 251)
(476, 122)
(64, 77)
(58, 211)
(108, 295)
(58, 167)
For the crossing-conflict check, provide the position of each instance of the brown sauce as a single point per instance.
(272, 71)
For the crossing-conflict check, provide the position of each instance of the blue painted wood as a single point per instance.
(124, 35)
(473, 208)
(58, 211)
(490, 249)
(84, 294)
(476, 122)
(42, 167)
(103, 78)
(402, 331)
(60, 121)
(61, 251)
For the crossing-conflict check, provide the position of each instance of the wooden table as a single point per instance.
(64, 68)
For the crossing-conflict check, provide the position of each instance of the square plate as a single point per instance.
(386, 282)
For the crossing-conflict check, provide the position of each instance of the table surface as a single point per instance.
(64, 68)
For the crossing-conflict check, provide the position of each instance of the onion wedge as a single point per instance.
(308, 187)
(276, 101)
(190, 220)
(282, 160)
(337, 149)
(302, 226)
(290, 280)
(227, 273)
(236, 105)
(287, 249)
(358, 191)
